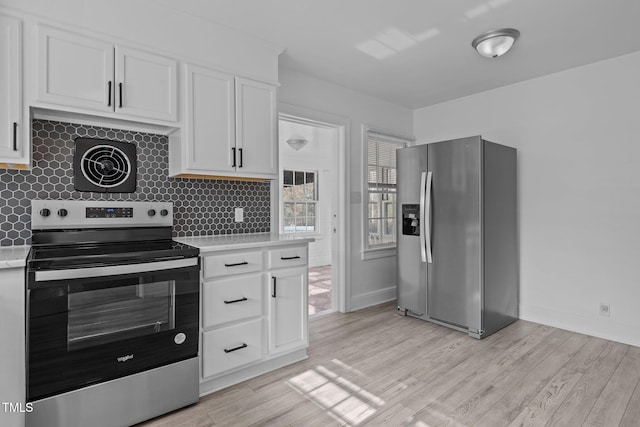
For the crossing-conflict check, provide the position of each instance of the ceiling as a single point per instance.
(418, 52)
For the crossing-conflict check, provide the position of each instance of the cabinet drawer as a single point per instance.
(225, 264)
(227, 348)
(232, 298)
(289, 256)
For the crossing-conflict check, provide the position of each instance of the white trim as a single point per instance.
(373, 298)
(377, 253)
(597, 326)
(389, 134)
(341, 245)
(88, 119)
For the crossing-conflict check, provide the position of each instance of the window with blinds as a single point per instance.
(381, 189)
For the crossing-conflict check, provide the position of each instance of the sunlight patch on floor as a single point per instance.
(342, 399)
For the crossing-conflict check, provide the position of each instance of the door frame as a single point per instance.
(339, 242)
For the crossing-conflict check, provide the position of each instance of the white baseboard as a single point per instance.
(601, 327)
(372, 298)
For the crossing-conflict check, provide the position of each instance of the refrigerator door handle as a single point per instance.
(423, 191)
(427, 217)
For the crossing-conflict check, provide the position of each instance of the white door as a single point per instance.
(75, 71)
(11, 89)
(210, 114)
(146, 85)
(256, 127)
(288, 310)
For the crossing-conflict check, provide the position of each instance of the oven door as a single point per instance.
(90, 325)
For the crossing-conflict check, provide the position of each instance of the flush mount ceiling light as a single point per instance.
(495, 43)
(297, 143)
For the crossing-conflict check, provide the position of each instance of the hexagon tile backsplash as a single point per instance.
(201, 206)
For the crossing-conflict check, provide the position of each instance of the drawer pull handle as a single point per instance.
(229, 350)
(236, 264)
(275, 283)
(236, 300)
(284, 258)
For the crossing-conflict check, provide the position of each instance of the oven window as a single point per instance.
(113, 314)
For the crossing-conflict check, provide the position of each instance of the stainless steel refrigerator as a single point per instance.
(457, 234)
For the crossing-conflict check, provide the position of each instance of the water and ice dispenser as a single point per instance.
(411, 220)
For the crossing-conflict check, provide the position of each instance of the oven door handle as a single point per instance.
(113, 270)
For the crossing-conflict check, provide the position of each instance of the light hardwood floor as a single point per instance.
(376, 367)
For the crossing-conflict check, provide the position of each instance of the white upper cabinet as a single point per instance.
(147, 84)
(256, 127)
(210, 116)
(12, 149)
(230, 127)
(75, 71)
(91, 74)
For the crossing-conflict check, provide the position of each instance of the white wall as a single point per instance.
(317, 155)
(578, 138)
(156, 27)
(371, 281)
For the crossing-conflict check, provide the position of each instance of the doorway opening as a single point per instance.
(309, 202)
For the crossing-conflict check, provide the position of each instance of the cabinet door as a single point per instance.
(146, 85)
(11, 89)
(209, 110)
(256, 127)
(288, 311)
(75, 71)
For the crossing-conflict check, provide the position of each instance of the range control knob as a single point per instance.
(164, 212)
(45, 212)
(151, 212)
(63, 212)
(180, 338)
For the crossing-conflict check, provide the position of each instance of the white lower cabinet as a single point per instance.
(254, 312)
(230, 347)
(288, 310)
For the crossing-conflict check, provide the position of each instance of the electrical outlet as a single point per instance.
(239, 215)
(604, 309)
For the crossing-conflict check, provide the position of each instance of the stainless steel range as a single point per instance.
(112, 314)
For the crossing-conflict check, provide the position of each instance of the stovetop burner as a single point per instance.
(79, 234)
(99, 255)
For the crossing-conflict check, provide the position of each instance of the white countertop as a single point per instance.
(13, 256)
(221, 242)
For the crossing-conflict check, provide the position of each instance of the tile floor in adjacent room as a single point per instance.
(319, 289)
